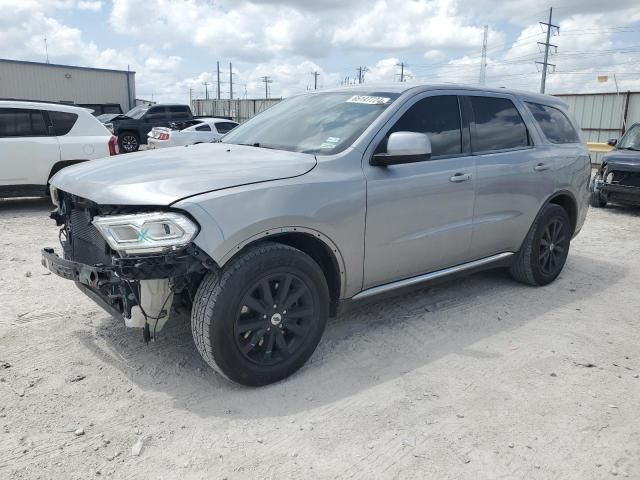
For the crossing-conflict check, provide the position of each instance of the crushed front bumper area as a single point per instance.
(119, 287)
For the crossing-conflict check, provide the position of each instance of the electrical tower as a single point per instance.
(550, 28)
(267, 80)
(218, 69)
(230, 81)
(483, 62)
(401, 65)
(361, 71)
(315, 74)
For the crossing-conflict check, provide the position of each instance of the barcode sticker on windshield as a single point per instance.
(368, 100)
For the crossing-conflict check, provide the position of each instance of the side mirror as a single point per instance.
(404, 147)
(613, 142)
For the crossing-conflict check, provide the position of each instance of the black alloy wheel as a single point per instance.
(553, 247)
(275, 316)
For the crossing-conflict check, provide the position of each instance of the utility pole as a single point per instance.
(46, 50)
(218, 68)
(483, 62)
(361, 71)
(401, 65)
(190, 96)
(230, 81)
(206, 90)
(546, 45)
(267, 80)
(315, 74)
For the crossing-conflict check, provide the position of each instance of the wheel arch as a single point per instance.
(568, 202)
(315, 244)
(62, 164)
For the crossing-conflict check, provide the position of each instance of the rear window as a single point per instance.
(22, 122)
(62, 122)
(554, 124)
(498, 125)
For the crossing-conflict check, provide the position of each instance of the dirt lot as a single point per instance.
(481, 378)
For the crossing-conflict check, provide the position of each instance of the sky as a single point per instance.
(173, 45)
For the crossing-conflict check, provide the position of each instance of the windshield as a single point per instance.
(631, 139)
(137, 112)
(324, 123)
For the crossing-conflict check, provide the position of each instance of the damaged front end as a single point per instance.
(618, 181)
(135, 262)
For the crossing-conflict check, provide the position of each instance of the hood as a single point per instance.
(109, 117)
(623, 160)
(162, 177)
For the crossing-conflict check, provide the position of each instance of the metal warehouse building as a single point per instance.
(91, 87)
(604, 115)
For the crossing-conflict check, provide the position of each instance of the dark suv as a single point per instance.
(132, 127)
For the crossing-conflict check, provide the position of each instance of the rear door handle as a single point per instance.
(460, 177)
(541, 167)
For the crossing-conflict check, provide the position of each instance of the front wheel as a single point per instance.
(545, 250)
(261, 317)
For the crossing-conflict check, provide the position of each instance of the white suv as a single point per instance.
(39, 139)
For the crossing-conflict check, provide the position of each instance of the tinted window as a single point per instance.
(554, 124)
(62, 122)
(157, 113)
(178, 111)
(631, 139)
(498, 125)
(21, 122)
(203, 128)
(224, 127)
(438, 117)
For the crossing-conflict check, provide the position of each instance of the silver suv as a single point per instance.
(323, 200)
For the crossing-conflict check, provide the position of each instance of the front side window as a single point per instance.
(178, 111)
(631, 139)
(22, 122)
(155, 114)
(322, 123)
(439, 118)
(224, 127)
(62, 122)
(554, 124)
(137, 112)
(498, 125)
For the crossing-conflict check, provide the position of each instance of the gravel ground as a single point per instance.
(480, 378)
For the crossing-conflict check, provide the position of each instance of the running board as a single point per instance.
(409, 282)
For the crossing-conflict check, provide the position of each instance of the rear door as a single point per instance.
(27, 150)
(420, 215)
(513, 175)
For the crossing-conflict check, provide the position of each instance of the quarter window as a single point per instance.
(554, 124)
(438, 117)
(22, 122)
(203, 128)
(497, 125)
(62, 122)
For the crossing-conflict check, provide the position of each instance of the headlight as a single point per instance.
(146, 232)
(53, 192)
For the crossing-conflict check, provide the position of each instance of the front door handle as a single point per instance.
(460, 177)
(541, 167)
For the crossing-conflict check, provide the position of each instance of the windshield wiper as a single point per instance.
(630, 148)
(259, 145)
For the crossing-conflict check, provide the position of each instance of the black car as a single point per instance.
(618, 178)
(132, 127)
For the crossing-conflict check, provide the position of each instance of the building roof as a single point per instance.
(55, 65)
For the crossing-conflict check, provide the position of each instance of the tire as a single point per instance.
(128, 142)
(545, 249)
(597, 200)
(243, 338)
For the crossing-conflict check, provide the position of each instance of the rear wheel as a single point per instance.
(545, 250)
(260, 319)
(128, 142)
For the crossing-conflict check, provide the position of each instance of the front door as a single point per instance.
(420, 215)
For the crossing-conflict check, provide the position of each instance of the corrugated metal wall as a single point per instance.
(59, 83)
(601, 114)
(239, 110)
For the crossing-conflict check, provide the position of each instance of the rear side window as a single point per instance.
(22, 122)
(438, 117)
(497, 125)
(155, 114)
(554, 124)
(178, 111)
(62, 122)
(203, 128)
(224, 127)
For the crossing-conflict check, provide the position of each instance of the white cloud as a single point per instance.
(94, 6)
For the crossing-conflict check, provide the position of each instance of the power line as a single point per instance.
(546, 44)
